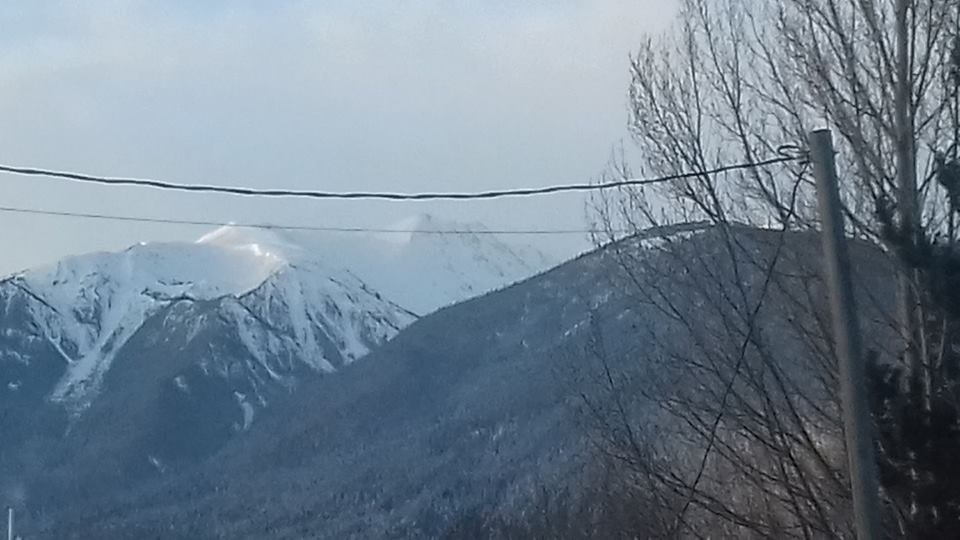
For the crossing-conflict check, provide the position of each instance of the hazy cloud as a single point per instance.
(388, 95)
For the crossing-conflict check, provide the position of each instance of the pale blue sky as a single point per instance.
(401, 95)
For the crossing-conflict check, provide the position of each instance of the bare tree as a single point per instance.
(736, 81)
(734, 420)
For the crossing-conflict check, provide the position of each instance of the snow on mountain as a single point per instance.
(423, 268)
(325, 299)
(304, 317)
(311, 308)
(88, 306)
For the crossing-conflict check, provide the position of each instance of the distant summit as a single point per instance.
(314, 300)
(422, 267)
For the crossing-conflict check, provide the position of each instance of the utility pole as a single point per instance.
(857, 422)
(10, 523)
(906, 153)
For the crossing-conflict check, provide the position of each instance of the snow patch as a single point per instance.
(157, 464)
(248, 411)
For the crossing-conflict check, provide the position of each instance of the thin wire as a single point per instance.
(319, 228)
(784, 154)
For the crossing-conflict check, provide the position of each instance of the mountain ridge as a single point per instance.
(88, 306)
(145, 349)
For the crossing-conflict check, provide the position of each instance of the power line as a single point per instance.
(784, 154)
(293, 227)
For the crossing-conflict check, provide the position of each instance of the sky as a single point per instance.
(414, 95)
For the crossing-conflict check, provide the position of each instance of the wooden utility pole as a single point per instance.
(857, 421)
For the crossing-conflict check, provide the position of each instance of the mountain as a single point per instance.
(164, 352)
(161, 353)
(423, 267)
(469, 411)
(88, 306)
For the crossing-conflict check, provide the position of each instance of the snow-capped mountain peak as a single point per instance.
(428, 263)
(88, 306)
(323, 299)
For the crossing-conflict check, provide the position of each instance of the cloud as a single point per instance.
(424, 94)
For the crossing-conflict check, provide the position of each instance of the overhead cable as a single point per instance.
(298, 227)
(784, 154)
